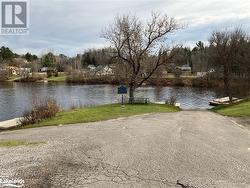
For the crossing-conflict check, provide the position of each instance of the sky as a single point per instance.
(73, 26)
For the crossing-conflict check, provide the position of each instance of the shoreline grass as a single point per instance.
(16, 143)
(13, 79)
(57, 79)
(241, 109)
(102, 113)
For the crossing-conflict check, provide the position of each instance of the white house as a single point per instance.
(21, 60)
(16, 71)
(46, 69)
(13, 70)
(185, 68)
(203, 74)
(104, 71)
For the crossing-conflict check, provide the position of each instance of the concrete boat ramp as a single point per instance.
(198, 149)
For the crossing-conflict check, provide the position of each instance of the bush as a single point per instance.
(29, 79)
(81, 77)
(178, 82)
(171, 100)
(41, 110)
(3, 75)
(200, 82)
(49, 74)
(76, 77)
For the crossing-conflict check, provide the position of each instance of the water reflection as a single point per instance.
(15, 98)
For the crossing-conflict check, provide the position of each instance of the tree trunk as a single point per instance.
(227, 85)
(131, 93)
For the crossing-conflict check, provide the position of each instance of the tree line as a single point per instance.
(139, 50)
(7, 55)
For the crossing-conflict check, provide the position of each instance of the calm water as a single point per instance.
(15, 98)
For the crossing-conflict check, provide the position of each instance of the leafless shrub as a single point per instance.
(171, 100)
(41, 110)
(76, 77)
(3, 75)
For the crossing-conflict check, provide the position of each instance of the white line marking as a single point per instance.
(239, 125)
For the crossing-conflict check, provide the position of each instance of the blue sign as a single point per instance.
(122, 90)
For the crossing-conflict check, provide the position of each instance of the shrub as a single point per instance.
(3, 75)
(200, 82)
(171, 100)
(81, 77)
(178, 82)
(29, 79)
(41, 110)
(49, 74)
(76, 77)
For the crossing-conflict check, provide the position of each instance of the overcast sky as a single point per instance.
(71, 26)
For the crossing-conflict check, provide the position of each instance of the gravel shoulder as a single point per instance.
(184, 149)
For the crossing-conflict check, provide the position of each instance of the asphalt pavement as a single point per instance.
(184, 149)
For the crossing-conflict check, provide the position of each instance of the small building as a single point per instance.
(13, 70)
(104, 70)
(28, 70)
(48, 69)
(101, 70)
(16, 71)
(44, 69)
(185, 68)
(201, 74)
(20, 61)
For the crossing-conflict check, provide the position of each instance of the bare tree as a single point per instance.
(139, 47)
(227, 50)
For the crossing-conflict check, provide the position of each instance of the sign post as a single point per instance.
(122, 90)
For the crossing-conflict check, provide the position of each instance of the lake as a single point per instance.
(15, 98)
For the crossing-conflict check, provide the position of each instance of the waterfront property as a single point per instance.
(15, 98)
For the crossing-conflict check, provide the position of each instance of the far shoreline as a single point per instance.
(153, 82)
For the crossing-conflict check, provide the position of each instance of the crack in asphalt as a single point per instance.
(183, 185)
(199, 149)
(65, 170)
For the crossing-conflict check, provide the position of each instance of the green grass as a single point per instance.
(241, 109)
(105, 112)
(15, 143)
(57, 79)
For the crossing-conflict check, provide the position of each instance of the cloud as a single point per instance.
(70, 27)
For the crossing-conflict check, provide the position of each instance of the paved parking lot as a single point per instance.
(184, 149)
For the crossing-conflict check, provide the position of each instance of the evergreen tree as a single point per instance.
(49, 60)
(6, 53)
